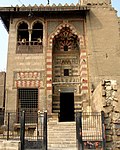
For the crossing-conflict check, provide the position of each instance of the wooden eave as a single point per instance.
(8, 12)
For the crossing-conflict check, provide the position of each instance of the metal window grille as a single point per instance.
(28, 101)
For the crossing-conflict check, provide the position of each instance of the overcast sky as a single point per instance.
(4, 34)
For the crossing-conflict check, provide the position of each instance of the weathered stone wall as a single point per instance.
(111, 107)
(103, 61)
(108, 101)
(2, 89)
(119, 26)
(9, 145)
(103, 44)
(96, 99)
(94, 2)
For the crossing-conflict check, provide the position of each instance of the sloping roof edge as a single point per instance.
(7, 12)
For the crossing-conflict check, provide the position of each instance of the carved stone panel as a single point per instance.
(29, 79)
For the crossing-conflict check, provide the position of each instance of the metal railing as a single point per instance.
(90, 130)
(29, 47)
(29, 42)
(17, 127)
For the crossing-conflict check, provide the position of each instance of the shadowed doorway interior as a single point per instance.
(66, 106)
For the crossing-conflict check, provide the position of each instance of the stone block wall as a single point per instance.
(111, 108)
(119, 26)
(2, 89)
(9, 145)
(102, 44)
(94, 2)
(96, 98)
(106, 98)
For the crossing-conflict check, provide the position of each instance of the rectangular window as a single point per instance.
(65, 48)
(28, 101)
(66, 72)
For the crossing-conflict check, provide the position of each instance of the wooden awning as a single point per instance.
(10, 12)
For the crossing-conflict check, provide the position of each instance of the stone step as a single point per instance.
(67, 148)
(60, 130)
(62, 142)
(58, 136)
(61, 146)
(61, 135)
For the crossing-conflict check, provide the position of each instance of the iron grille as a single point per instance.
(28, 101)
(91, 126)
(90, 131)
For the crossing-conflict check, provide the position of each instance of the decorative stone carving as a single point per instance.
(65, 41)
(29, 79)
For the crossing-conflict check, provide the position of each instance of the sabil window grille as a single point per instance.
(28, 102)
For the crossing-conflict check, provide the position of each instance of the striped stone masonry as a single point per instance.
(83, 63)
(83, 71)
(49, 80)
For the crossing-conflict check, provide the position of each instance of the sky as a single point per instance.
(4, 34)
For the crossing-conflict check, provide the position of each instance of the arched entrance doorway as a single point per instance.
(66, 74)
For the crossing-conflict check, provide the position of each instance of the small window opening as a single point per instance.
(66, 72)
(23, 34)
(65, 48)
(28, 101)
(37, 33)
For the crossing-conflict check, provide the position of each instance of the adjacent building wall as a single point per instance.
(96, 99)
(103, 44)
(106, 98)
(2, 89)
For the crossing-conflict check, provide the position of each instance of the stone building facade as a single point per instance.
(2, 93)
(61, 52)
(55, 53)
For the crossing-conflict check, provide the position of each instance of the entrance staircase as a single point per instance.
(61, 135)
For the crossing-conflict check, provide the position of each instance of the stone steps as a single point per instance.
(69, 148)
(61, 135)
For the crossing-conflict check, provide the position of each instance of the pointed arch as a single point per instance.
(20, 22)
(58, 29)
(67, 67)
(22, 31)
(65, 40)
(37, 31)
